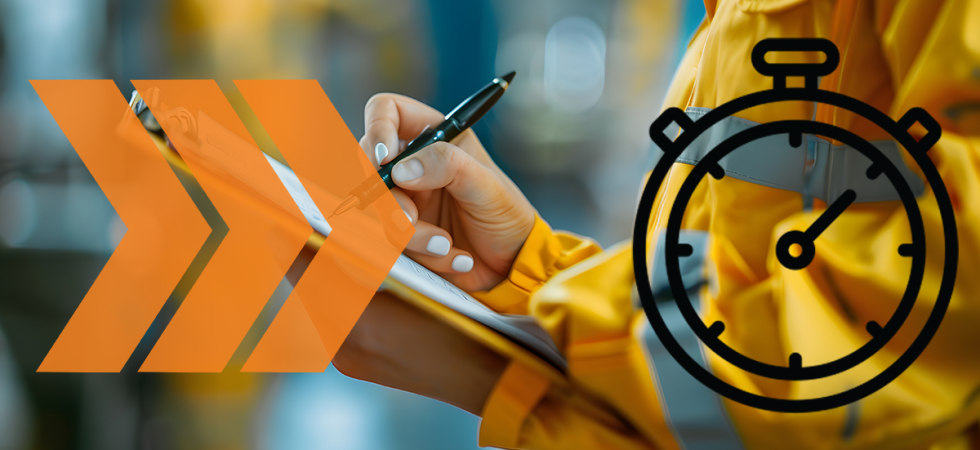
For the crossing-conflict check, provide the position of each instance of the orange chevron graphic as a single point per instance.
(165, 229)
(360, 250)
(266, 229)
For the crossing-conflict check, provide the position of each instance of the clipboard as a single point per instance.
(518, 341)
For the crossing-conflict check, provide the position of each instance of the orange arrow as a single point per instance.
(362, 246)
(266, 229)
(165, 229)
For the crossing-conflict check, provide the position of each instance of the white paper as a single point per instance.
(521, 329)
(300, 196)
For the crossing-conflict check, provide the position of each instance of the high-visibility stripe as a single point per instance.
(695, 413)
(851, 419)
(770, 161)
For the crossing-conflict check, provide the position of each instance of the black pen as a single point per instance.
(457, 121)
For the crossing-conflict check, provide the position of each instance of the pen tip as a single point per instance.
(509, 77)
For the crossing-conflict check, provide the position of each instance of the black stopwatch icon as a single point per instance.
(675, 249)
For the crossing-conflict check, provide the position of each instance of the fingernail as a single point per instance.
(407, 215)
(462, 263)
(380, 151)
(407, 170)
(438, 245)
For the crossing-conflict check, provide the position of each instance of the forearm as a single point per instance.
(395, 344)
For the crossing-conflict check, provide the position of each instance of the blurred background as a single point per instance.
(572, 132)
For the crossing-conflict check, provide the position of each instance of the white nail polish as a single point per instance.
(407, 170)
(380, 152)
(438, 245)
(407, 215)
(462, 263)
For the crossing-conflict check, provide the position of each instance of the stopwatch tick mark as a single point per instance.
(795, 361)
(873, 172)
(684, 250)
(907, 250)
(873, 328)
(795, 139)
(716, 171)
(716, 328)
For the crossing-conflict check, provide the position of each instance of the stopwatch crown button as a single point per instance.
(779, 71)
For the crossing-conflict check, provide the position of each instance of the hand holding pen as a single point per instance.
(470, 218)
(457, 121)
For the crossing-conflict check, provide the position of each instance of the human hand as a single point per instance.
(470, 219)
(395, 344)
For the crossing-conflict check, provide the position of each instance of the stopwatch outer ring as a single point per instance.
(881, 336)
(898, 130)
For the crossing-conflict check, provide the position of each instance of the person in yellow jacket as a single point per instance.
(477, 229)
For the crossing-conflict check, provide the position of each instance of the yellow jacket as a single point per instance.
(895, 55)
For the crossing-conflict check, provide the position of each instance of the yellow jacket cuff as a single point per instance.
(544, 254)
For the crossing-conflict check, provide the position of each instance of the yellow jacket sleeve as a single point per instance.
(588, 310)
(523, 413)
(895, 55)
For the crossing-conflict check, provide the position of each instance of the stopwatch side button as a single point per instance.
(795, 361)
(933, 130)
(660, 125)
(908, 250)
(873, 328)
(684, 249)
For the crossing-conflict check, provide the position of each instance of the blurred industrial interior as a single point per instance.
(571, 132)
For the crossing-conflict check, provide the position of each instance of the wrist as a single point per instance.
(543, 254)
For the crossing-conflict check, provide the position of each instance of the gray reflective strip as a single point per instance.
(808, 175)
(695, 413)
(772, 162)
(851, 419)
